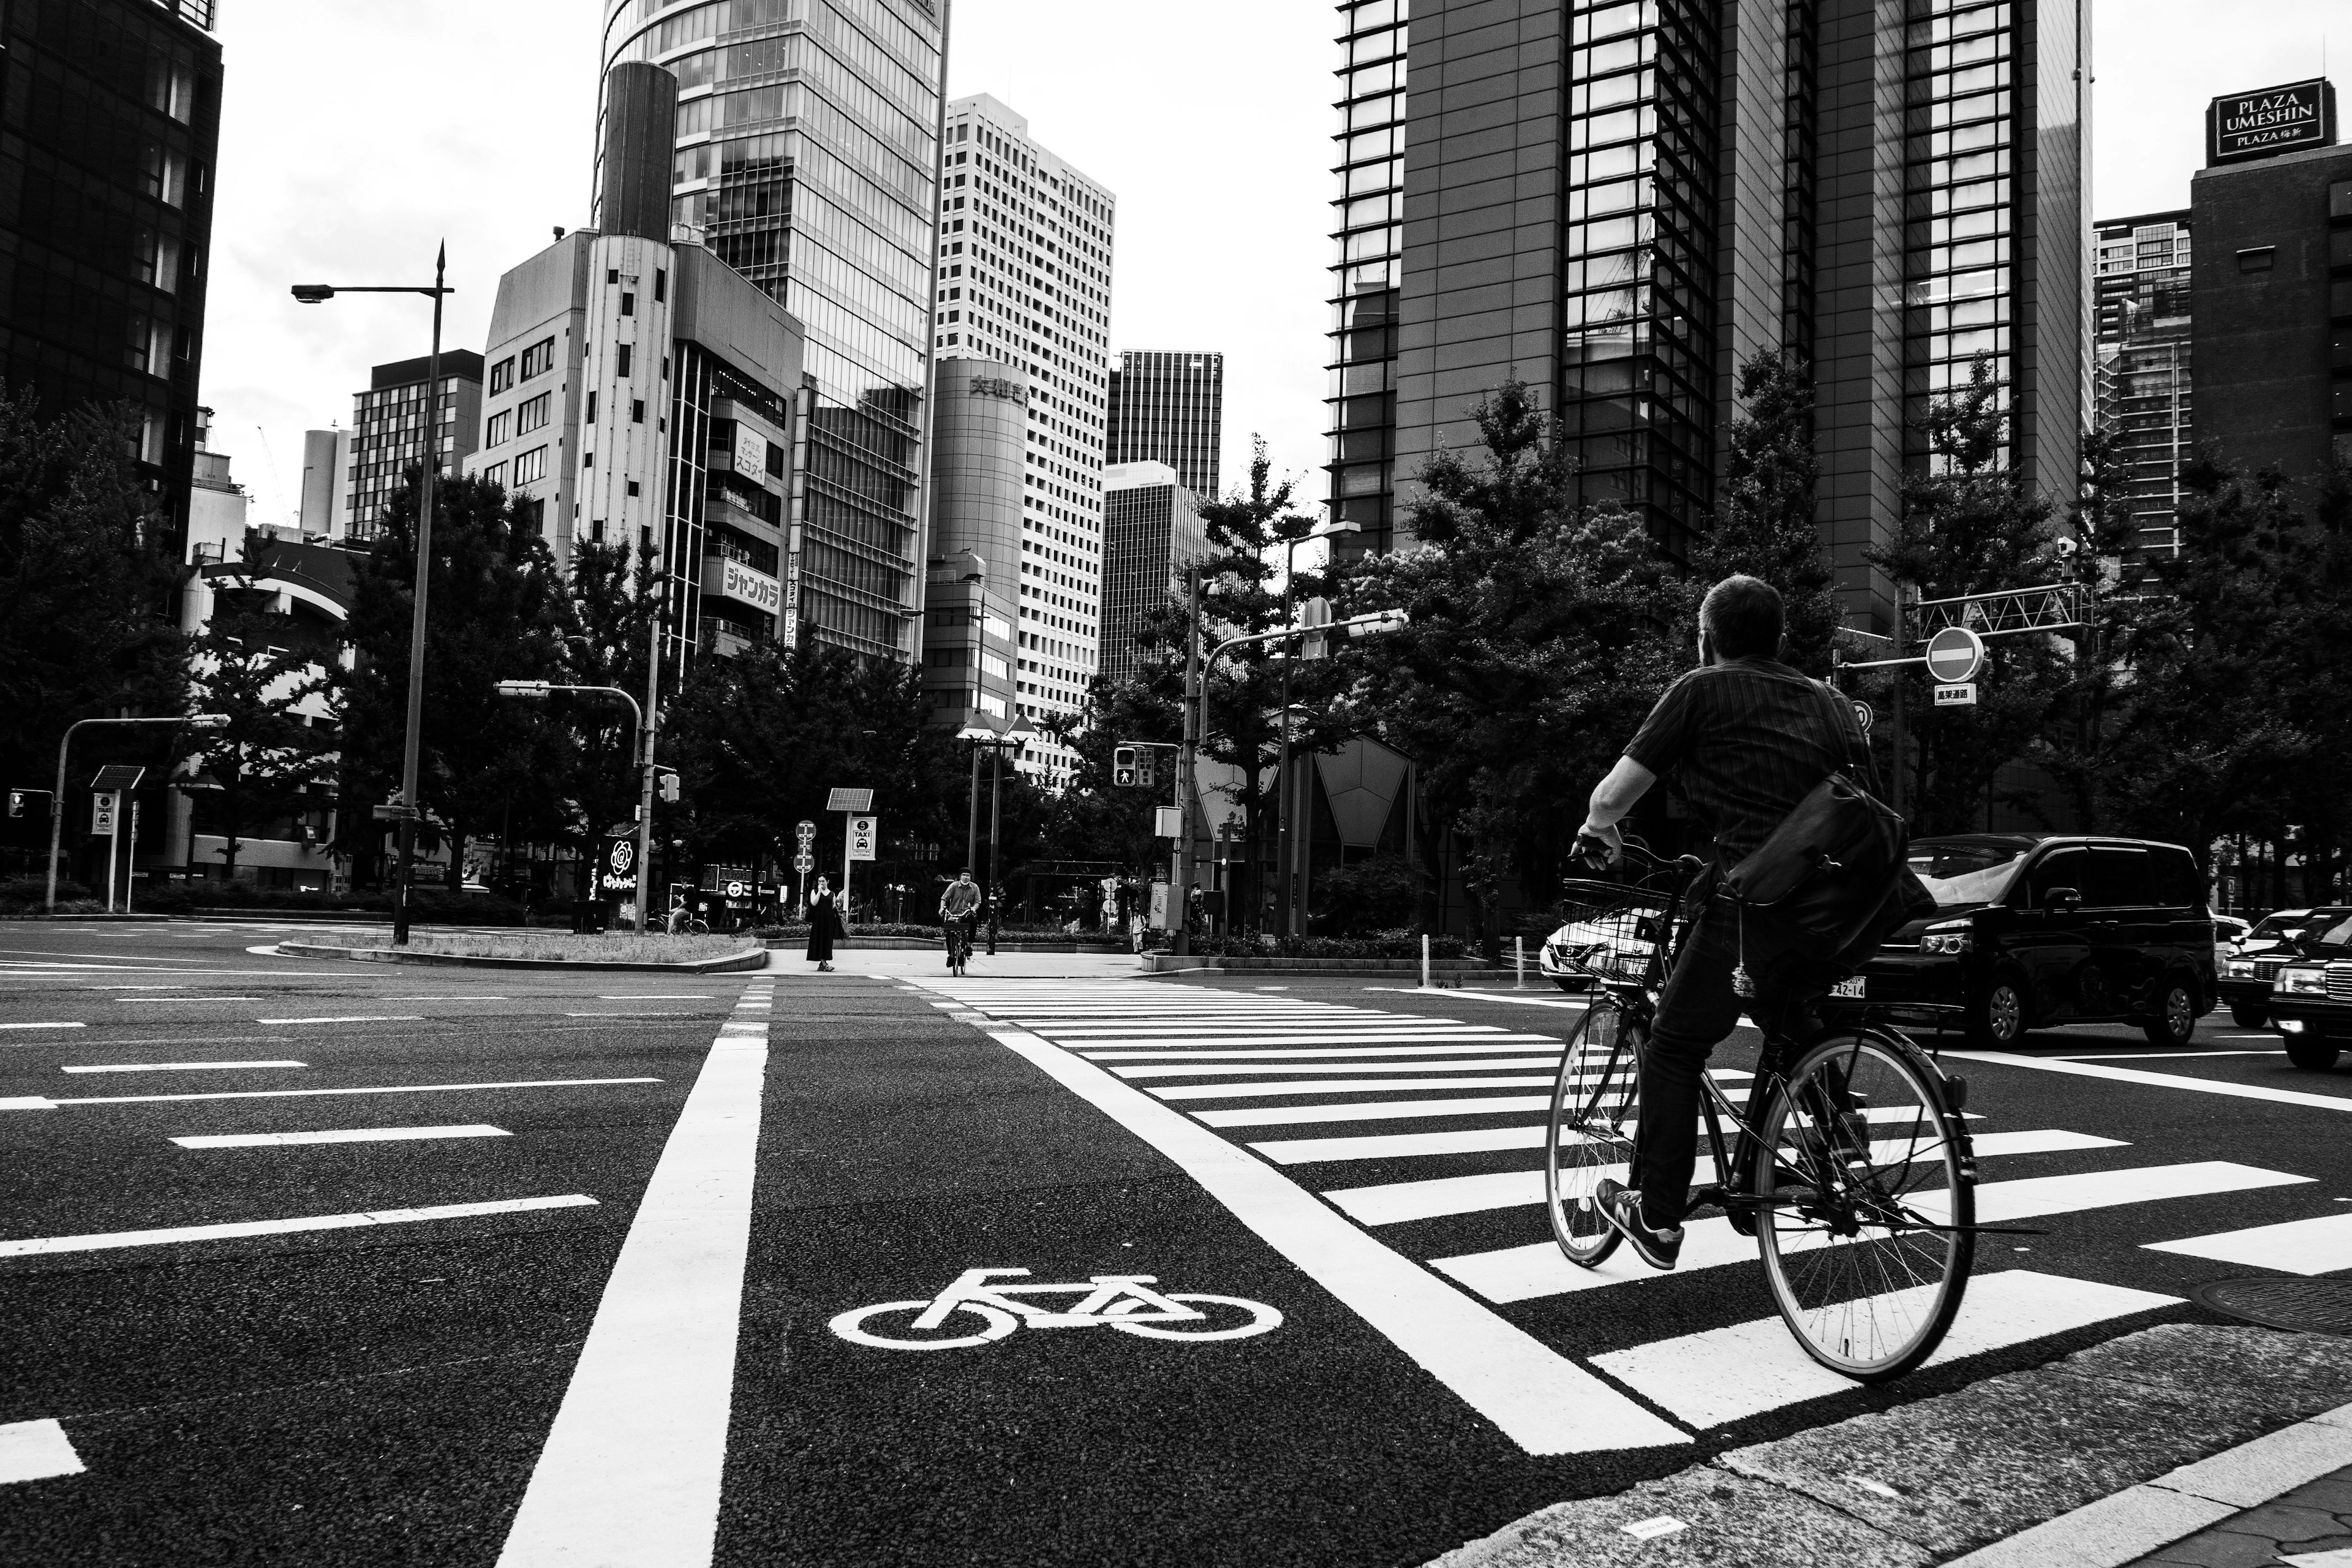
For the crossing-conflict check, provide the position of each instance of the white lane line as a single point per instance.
(1320, 1037)
(687, 1018)
(1729, 1373)
(1525, 1273)
(1347, 1086)
(1560, 1001)
(353, 1018)
(1375, 1023)
(445, 996)
(2319, 1246)
(339, 1135)
(44, 1026)
(630, 1470)
(1509, 1042)
(1371, 1111)
(182, 1067)
(2161, 1080)
(43, 1245)
(35, 1451)
(1539, 1399)
(2164, 1056)
(663, 997)
(36, 1102)
(1228, 1069)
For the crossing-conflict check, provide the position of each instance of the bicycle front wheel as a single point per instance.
(1866, 1196)
(1590, 1138)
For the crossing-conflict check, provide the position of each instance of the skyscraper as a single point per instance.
(2142, 308)
(106, 212)
(1170, 408)
(806, 159)
(1619, 201)
(1024, 281)
(388, 431)
(1151, 533)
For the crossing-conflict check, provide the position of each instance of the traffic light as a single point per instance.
(1147, 767)
(1122, 770)
(15, 803)
(667, 782)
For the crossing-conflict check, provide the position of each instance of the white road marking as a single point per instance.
(1228, 1069)
(1729, 1373)
(44, 1026)
(1539, 1399)
(630, 1470)
(1322, 1036)
(1318, 1052)
(1375, 1111)
(182, 1067)
(1347, 1086)
(2319, 1246)
(2162, 1080)
(663, 997)
(35, 1451)
(353, 1018)
(1562, 1000)
(2164, 1056)
(36, 1102)
(689, 1018)
(343, 1135)
(1400, 1145)
(444, 996)
(44, 1246)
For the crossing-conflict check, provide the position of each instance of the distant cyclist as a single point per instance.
(1748, 738)
(958, 905)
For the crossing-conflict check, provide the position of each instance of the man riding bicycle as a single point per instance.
(958, 905)
(1747, 738)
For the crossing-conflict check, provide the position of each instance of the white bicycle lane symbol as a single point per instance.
(1122, 1301)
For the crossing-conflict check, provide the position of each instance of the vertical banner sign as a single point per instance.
(863, 832)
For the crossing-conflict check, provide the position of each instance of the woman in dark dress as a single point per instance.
(824, 924)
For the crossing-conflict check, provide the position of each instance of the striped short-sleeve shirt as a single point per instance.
(1747, 739)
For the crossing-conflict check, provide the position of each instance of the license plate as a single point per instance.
(1850, 988)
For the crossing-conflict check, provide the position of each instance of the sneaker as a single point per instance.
(1621, 1207)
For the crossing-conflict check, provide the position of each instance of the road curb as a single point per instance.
(752, 958)
(2086, 1462)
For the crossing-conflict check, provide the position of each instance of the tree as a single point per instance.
(494, 611)
(1766, 528)
(87, 573)
(612, 599)
(1541, 636)
(1968, 525)
(257, 668)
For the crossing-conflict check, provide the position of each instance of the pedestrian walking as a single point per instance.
(825, 925)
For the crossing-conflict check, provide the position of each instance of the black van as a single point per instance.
(2035, 929)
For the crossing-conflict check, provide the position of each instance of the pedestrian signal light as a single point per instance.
(1122, 766)
(15, 803)
(667, 781)
(1147, 768)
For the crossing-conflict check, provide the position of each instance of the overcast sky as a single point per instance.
(355, 135)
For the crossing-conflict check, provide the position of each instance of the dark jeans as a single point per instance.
(1697, 1012)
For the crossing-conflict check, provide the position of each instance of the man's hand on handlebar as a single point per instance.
(1599, 846)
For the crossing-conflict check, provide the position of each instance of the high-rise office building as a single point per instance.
(1170, 408)
(1152, 535)
(806, 159)
(2272, 282)
(1024, 281)
(388, 431)
(1619, 201)
(974, 633)
(326, 460)
(106, 211)
(2142, 310)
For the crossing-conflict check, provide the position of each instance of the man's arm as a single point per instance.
(1612, 797)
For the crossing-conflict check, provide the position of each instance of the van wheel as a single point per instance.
(1996, 1020)
(2247, 1016)
(2312, 1056)
(2176, 1025)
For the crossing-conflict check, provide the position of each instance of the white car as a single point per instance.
(1615, 944)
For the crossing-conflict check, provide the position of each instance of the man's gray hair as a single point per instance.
(1742, 617)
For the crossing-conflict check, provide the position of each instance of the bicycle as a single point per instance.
(1120, 1301)
(1864, 1211)
(959, 946)
(681, 921)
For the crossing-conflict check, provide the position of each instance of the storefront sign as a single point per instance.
(2269, 121)
(728, 577)
(751, 451)
(616, 868)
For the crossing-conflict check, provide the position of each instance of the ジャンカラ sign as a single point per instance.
(2270, 121)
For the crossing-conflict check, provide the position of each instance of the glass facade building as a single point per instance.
(807, 160)
(2144, 362)
(1368, 259)
(388, 431)
(1170, 408)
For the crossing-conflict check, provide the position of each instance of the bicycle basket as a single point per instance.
(1609, 931)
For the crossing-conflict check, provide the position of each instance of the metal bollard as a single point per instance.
(1424, 961)
(1519, 963)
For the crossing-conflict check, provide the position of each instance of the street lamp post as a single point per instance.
(318, 293)
(643, 750)
(1282, 769)
(57, 800)
(977, 579)
(996, 745)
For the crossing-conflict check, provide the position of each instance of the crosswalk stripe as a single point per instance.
(1374, 1110)
(1346, 1086)
(1997, 1202)
(1729, 1373)
(1503, 1064)
(2319, 1246)
(1304, 1037)
(1275, 1054)
(1400, 1145)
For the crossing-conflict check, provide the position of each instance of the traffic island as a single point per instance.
(547, 950)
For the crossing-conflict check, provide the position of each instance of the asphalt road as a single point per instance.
(496, 1311)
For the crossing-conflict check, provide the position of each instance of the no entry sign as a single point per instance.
(1955, 654)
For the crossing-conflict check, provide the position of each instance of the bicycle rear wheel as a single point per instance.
(1591, 1136)
(1867, 1192)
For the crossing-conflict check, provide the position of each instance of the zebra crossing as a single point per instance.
(1416, 1136)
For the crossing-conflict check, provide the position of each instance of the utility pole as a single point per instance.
(1180, 887)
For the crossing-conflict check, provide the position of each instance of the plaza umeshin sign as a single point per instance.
(2270, 121)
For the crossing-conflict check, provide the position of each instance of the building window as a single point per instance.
(636, 411)
(628, 304)
(612, 275)
(633, 486)
(531, 464)
(499, 428)
(532, 413)
(538, 359)
(592, 408)
(496, 474)
(622, 365)
(2261, 259)
(502, 376)
(661, 284)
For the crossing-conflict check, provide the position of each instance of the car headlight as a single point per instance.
(2238, 966)
(1957, 937)
(2311, 980)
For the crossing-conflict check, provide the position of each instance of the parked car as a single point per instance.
(1618, 943)
(2250, 965)
(2311, 1005)
(2037, 929)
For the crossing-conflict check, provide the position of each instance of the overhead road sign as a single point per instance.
(1955, 654)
